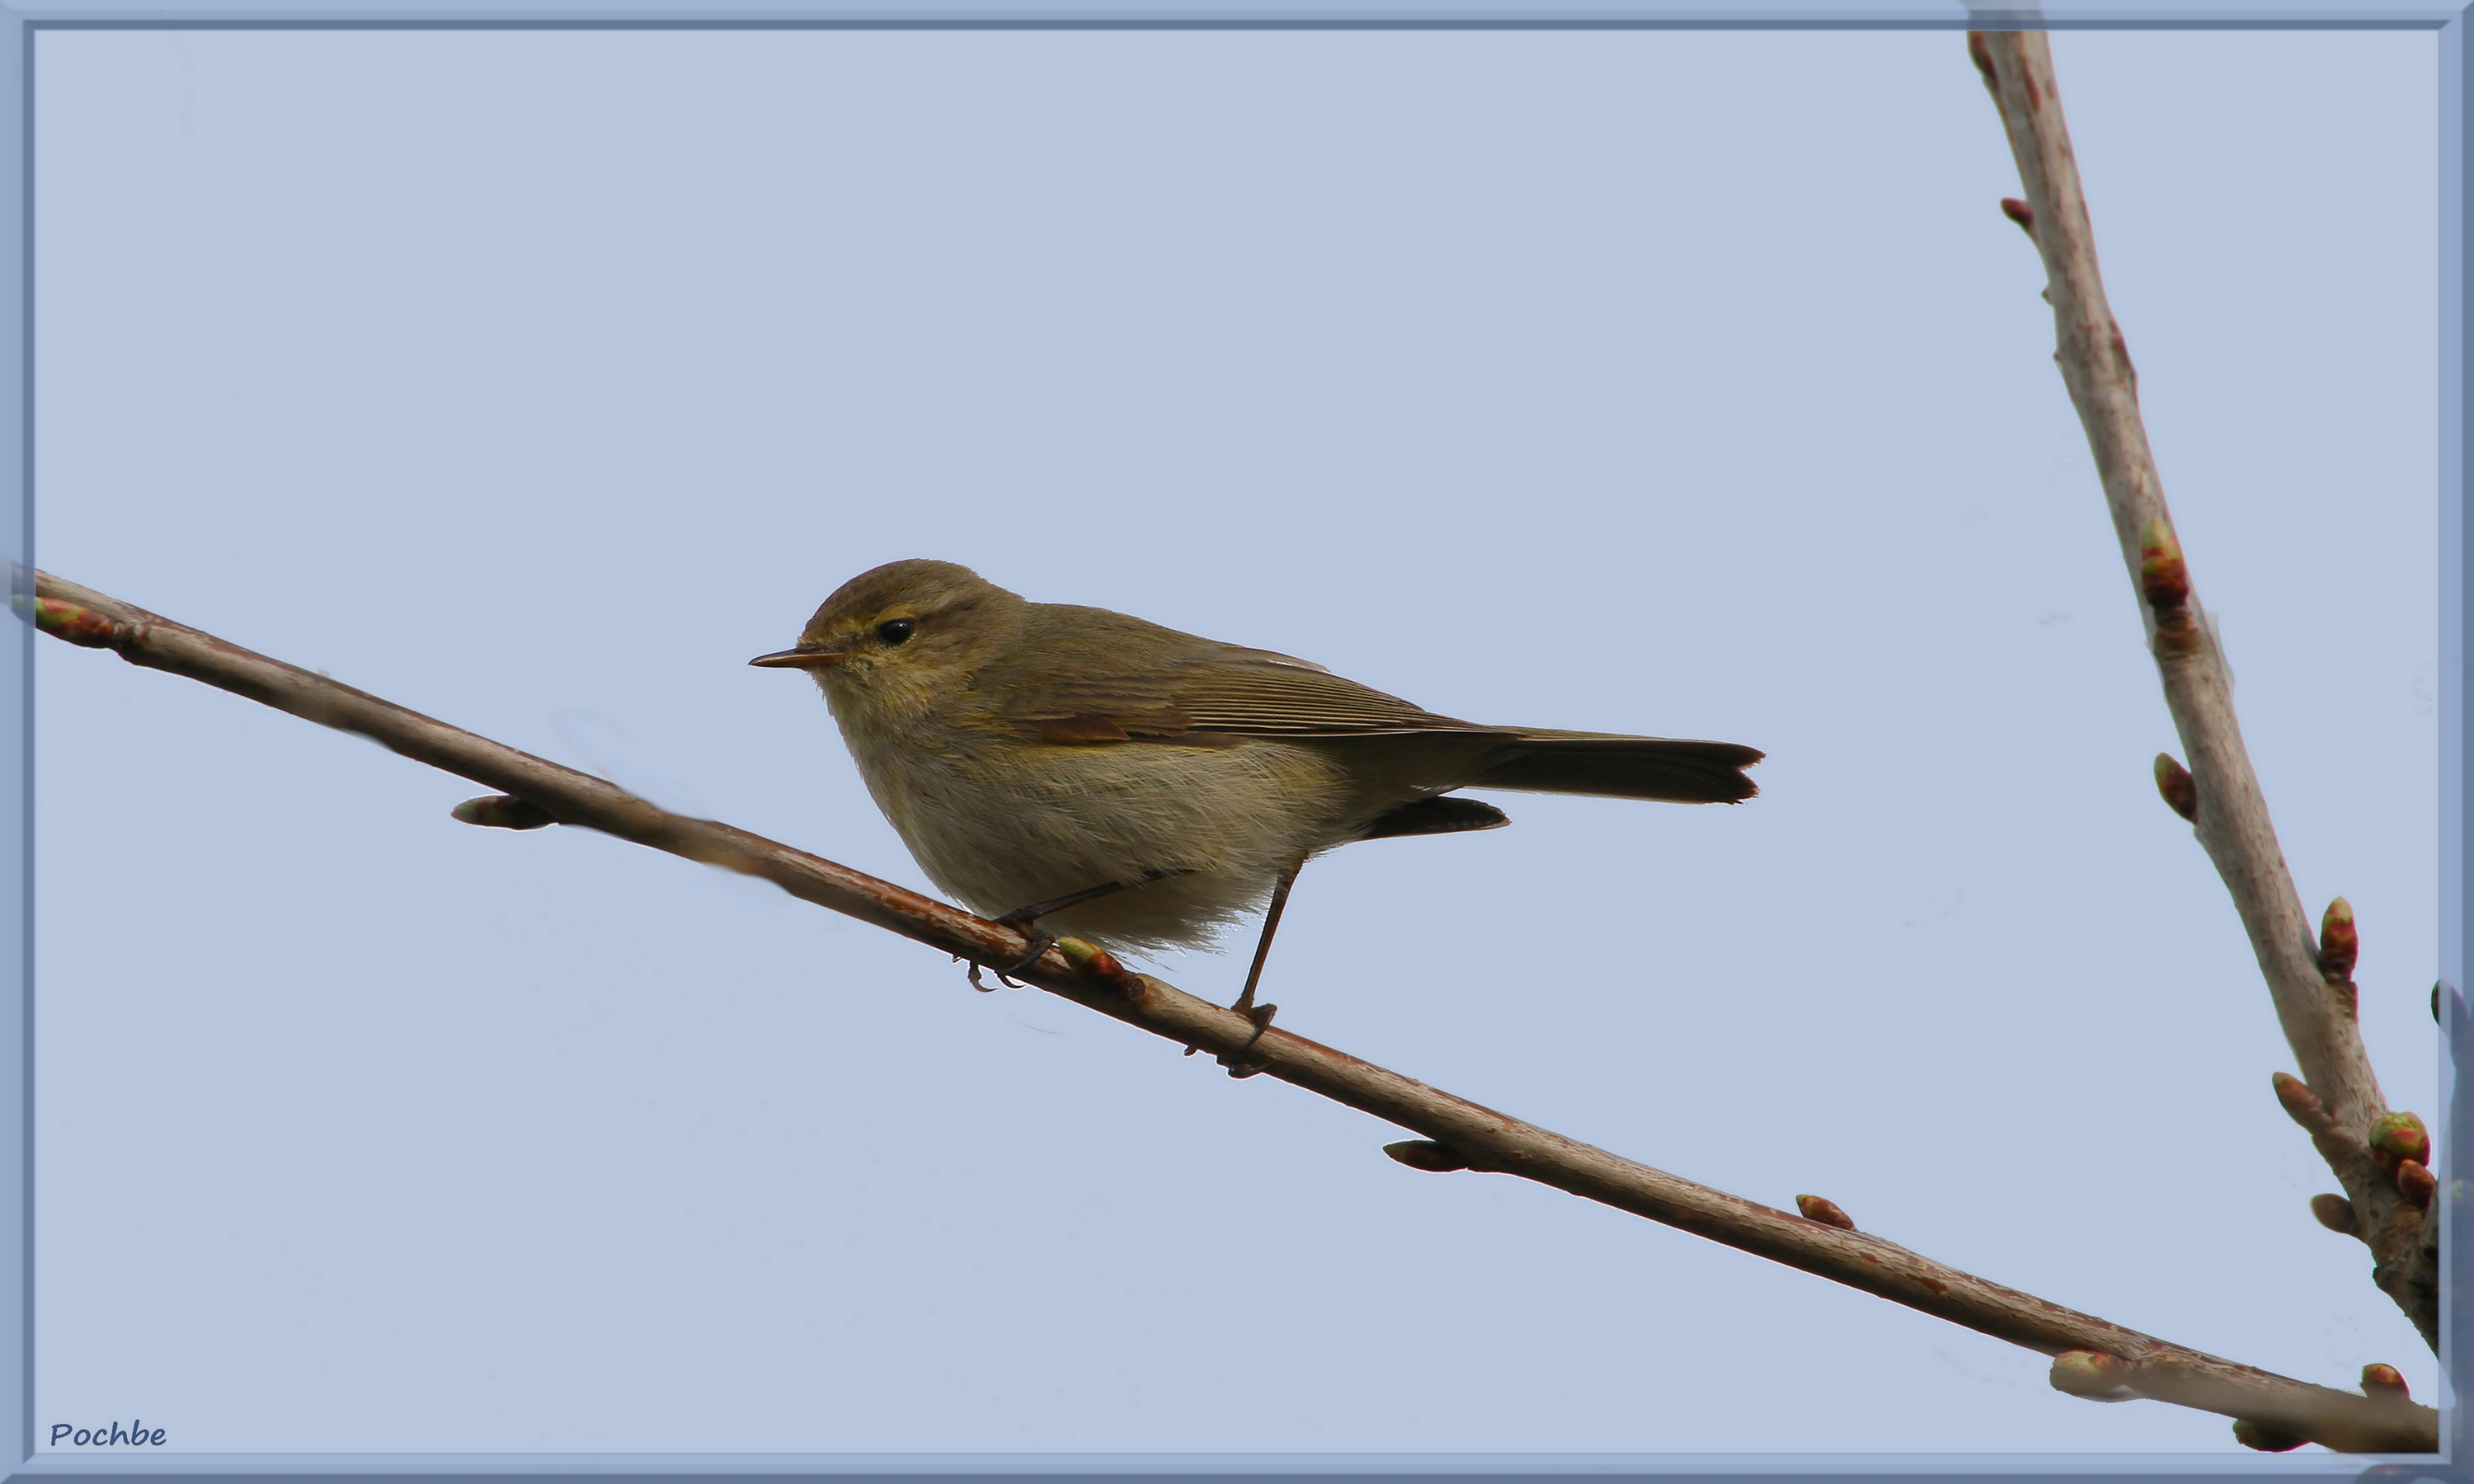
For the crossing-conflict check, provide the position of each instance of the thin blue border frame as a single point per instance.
(18, 26)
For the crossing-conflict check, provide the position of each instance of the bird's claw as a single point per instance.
(1040, 943)
(1235, 1060)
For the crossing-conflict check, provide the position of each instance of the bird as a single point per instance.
(1065, 769)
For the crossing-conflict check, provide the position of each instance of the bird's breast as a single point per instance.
(1001, 822)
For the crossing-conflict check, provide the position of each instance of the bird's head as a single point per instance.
(899, 637)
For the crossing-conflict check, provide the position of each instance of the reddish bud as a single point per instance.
(2335, 1213)
(1424, 1153)
(2181, 791)
(1825, 1212)
(2302, 1104)
(2398, 1137)
(2162, 575)
(2339, 946)
(2092, 1373)
(2265, 1439)
(2384, 1383)
(80, 626)
(1093, 960)
(2019, 213)
(503, 811)
(2417, 1184)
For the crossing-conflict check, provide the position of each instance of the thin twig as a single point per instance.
(1462, 1134)
(2315, 1002)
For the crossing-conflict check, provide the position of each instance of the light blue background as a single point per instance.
(1678, 383)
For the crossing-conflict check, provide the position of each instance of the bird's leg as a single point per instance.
(1260, 1014)
(1262, 949)
(1020, 920)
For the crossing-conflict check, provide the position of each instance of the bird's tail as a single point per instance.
(1621, 767)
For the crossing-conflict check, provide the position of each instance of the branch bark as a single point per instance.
(1459, 1135)
(2315, 1001)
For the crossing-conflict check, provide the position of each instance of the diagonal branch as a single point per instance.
(2313, 991)
(1458, 1135)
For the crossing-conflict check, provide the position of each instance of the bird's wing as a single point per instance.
(1211, 695)
(1161, 686)
(1232, 693)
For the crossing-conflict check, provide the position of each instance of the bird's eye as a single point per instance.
(894, 631)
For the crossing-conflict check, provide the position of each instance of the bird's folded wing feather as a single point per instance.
(1234, 693)
(1170, 687)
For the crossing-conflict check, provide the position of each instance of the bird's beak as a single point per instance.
(806, 656)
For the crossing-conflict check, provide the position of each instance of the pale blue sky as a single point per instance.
(1675, 383)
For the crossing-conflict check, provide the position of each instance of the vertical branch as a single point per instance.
(2315, 1000)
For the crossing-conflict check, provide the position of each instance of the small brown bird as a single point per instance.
(1142, 788)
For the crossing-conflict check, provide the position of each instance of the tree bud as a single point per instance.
(2339, 946)
(2163, 577)
(1424, 1153)
(2335, 1213)
(80, 626)
(2417, 1184)
(2092, 1373)
(1093, 960)
(503, 811)
(2265, 1439)
(2397, 1138)
(1825, 1212)
(2302, 1104)
(2181, 791)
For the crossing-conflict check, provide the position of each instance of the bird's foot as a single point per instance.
(1040, 943)
(1261, 1014)
(1235, 1060)
(1020, 920)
